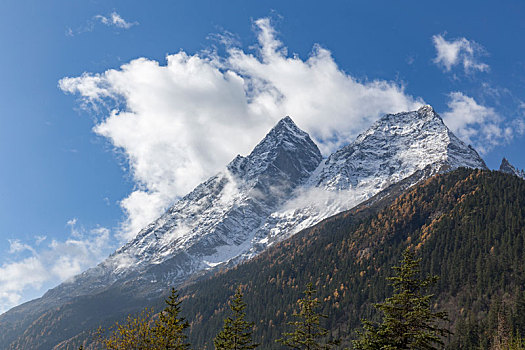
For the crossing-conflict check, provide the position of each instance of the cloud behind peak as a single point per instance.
(181, 122)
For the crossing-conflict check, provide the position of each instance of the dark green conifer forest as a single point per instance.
(468, 227)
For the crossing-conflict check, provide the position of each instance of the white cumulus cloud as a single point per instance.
(43, 265)
(180, 122)
(481, 126)
(459, 52)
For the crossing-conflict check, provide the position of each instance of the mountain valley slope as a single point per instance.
(468, 226)
(282, 187)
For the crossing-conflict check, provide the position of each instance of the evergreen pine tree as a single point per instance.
(237, 332)
(408, 322)
(168, 332)
(308, 332)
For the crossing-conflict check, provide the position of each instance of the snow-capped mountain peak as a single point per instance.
(285, 149)
(394, 147)
(281, 187)
(217, 221)
(508, 168)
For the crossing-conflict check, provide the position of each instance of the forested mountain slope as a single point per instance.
(467, 225)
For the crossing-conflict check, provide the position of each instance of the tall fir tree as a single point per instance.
(308, 332)
(408, 321)
(168, 332)
(237, 332)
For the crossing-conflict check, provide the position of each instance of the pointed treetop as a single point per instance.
(408, 319)
(237, 332)
(169, 329)
(307, 334)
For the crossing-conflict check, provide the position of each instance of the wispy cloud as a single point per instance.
(115, 20)
(39, 239)
(181, 122)
(15, 246)
(42, 265)
(112, 20)
(461, 51)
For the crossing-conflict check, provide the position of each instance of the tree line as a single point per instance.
(408, 322)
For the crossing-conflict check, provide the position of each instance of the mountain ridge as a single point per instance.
(245, 189)
(280, 188)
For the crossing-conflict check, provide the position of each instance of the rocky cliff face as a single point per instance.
(216, 222)
(393, 148)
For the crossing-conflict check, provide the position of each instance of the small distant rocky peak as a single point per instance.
(508, 168)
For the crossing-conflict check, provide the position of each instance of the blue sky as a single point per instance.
(91, 151)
